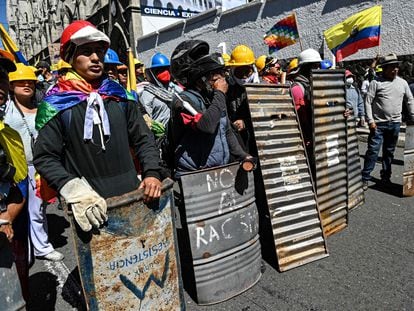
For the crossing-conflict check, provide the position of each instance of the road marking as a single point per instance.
(73, 291)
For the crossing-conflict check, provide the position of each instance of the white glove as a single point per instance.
(88, 207)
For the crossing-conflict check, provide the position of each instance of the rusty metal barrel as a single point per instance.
(132, 262)
(219, 241)
(408, 175)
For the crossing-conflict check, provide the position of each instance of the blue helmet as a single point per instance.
(159, 60)
(111, 58)
(326, 64)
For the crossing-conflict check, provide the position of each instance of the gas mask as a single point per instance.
(349, 80)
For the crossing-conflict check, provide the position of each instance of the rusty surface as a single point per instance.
(291, 200)
(132, 263)
(330, 148)
(221, 224)
(356, 195)
(408, 175)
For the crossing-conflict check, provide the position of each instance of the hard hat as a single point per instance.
(348, 73)
(138, 62)
(293, 65)
(326, 64)
(111, 58)
(242, 55)
(22, 72)
(78, 33)
(61, 64)
(261, 62)
(159, 60)
(309, 56)
(226, 58)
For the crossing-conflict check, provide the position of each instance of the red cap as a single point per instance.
(348, 73)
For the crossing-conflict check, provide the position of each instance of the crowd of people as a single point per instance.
(87, 138)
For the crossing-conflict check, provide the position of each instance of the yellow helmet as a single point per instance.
(242, 55)
(226, 58)
(137, 62)
(61, 64)
(293, 65)
(22, 72)
(261, 62)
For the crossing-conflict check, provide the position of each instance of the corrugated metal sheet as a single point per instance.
(355, 192)
(295, 220)
(132, 263)
(330, 148)
(408, 176)
(222, 225)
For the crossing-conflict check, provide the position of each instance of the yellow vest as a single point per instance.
(13, 147)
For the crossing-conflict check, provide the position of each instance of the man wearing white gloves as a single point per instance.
(87, 125)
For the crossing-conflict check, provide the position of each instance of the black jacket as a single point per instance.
(61, 154)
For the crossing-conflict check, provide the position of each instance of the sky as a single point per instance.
(3, 16)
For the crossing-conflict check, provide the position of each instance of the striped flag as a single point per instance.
(11, 47)
(282, 34)
(360, 31)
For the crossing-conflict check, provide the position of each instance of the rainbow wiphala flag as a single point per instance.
(283, 33)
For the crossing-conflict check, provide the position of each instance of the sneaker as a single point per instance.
(53, 256)
(365, 185)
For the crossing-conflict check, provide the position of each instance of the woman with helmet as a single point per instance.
(157, 95)
(20, 114)
(201, 132)
(242, 71)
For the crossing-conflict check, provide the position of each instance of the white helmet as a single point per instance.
(309, 56)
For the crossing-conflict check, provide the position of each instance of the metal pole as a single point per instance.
(297, 25)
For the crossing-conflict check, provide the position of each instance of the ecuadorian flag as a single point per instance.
(11, 47)
(360, 31)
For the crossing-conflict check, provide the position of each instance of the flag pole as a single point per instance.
(297, 25)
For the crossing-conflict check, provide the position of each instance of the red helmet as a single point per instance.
(80, 32)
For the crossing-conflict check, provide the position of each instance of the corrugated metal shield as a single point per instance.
(330, 148)
(10, 291)
(294, 216)
(355, 192)
(408, 176)
(132, 263)
(219, 242)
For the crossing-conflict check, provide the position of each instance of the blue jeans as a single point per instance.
(386, 134)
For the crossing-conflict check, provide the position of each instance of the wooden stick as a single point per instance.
(297, 25)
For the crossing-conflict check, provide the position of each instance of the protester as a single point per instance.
(354, 98)
(201, 131)
(83, 147)
(383, 104)
(13, 215)
(269, 69)
(45, 79)
(62, 67)
(369, 75)
(157, 96)
(123, 75)
(242, 71)
(20, 115)
(139, 71)
(301, 93)
(111, 63)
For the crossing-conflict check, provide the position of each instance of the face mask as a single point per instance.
(40, 78)
(249, 79)
(349, 81)
(164, 77)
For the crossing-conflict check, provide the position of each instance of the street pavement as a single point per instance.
(370, 267)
